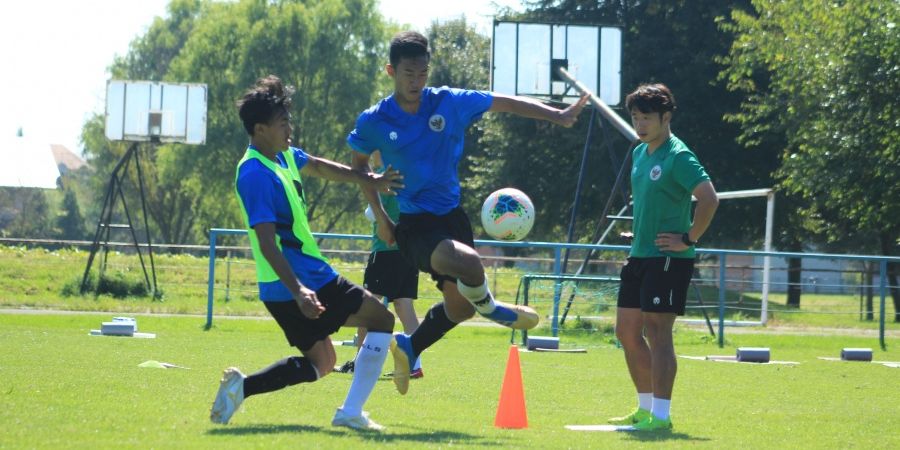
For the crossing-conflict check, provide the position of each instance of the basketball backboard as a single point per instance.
(524, 56)
(159, 112)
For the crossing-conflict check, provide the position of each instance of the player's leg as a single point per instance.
(459, 260)
(406, 312)
(316, 361)
(665, 287)
(630, 333)
(349, 365)
(379, 322)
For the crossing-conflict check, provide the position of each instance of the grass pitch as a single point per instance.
(60, 388)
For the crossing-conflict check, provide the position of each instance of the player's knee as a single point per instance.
(323, 365)
(629, 338)
(456, 259)
(381, 321)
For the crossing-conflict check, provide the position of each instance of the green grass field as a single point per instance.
(62, 388)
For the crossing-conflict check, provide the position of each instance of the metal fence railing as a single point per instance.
(717, 276)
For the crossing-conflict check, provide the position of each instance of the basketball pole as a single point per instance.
(628, 132)
(104, 224)
(605, 111)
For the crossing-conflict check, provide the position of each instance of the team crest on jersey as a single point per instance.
(655, 172)
(437, 123)
(393, 135)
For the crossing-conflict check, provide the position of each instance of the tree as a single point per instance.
(24, 212)
(332, 51)
(70, 223)
(820, 77)
(670, 41)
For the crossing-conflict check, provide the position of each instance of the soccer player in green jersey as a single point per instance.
(654, 281)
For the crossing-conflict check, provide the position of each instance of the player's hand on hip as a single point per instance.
(388, 181)
(309, 303)
(385, 231)
(670, 242)
(569, 116)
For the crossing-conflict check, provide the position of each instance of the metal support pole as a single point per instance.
(767, 260)
(882, 275)
(602, 107)
(213, 236)
(557, 291)
(722, 258)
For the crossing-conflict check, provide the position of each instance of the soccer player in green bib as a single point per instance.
(302, 292)
(654, 281)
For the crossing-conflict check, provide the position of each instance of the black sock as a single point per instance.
(287, 372)
(432, 329)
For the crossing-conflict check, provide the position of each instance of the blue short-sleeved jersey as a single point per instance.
(424, 147)
(263, 196)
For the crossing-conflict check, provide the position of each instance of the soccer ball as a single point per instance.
(507, 215)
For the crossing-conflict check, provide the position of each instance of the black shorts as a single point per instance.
(419, 234)
(341, 299)
(657, 285)
(389, 274)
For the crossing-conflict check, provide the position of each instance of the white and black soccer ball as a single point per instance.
(507, 215)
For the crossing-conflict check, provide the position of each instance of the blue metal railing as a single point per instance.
(558, 248)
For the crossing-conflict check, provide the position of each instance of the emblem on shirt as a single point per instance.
(655, 172)
(437, 123)
(393, 135)
(655, 300)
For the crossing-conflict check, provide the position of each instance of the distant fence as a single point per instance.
(719, 274)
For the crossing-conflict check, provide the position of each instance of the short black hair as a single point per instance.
(268, 97)
(649, 98)
(408, 44)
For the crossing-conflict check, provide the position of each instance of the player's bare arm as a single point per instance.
(707, 203)
(385, 228)
(385, 182)
(305, 297)
(531, 108)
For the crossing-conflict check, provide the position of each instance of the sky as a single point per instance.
(56, 54)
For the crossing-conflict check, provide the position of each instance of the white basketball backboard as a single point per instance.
(523, 53)
(150, 111)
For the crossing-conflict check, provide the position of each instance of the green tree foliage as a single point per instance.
(70, 223)
(670, 41)
(332, 51)
(822, 78)
(24, 213)
(461, 59)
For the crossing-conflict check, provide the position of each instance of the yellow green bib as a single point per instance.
(300, 226)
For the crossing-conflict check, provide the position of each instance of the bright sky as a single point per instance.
(56, 52)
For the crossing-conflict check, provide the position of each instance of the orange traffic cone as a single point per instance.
(511, 410)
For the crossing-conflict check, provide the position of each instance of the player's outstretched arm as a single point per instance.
(323, 168)
(385, 229)
(528, 107)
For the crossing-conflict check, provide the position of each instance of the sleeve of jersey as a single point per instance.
(256, 191)
(688, 171)
(300, 157)
(471, 104)
(359, 139)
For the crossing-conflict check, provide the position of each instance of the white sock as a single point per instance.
(645, 400)
(479, 296)
(418, 364)
(366, 371)
(660, 408)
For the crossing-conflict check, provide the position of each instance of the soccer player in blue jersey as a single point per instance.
(419, 131)
(305, 296)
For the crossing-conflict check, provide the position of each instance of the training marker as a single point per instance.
(511, 410)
